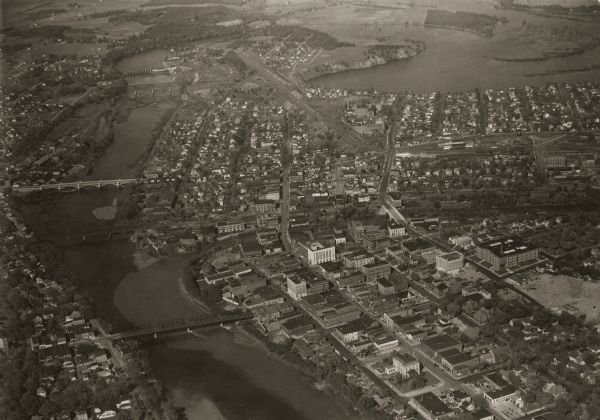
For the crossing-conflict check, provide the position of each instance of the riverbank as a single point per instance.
(251, 385)
(553, 72)
(545, 56)
(152, 295)
(355, 58)
(134, 139)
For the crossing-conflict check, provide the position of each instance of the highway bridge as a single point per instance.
(81, 238)
(181, 325)
(76, 185)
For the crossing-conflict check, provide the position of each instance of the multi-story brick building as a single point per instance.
(450, 263)
(376, 270)
(506, 253)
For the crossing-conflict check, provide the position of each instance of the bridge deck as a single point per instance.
(181, 324)
(76, 184)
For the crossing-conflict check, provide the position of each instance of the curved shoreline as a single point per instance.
(545, 57)
(309, 79)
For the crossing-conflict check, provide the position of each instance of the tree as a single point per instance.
(15, 299)
(479, 401)
(589, 358)
(453, 308)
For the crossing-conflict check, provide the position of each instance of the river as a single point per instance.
(457, 61)
(216, 376)
(149, 59)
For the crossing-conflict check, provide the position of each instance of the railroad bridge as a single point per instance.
(177, 325)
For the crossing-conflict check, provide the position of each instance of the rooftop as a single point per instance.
(433, 404)
(451, 256)
(503, 247)
(440, 342)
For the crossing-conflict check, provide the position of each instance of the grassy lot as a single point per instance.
(559, 290)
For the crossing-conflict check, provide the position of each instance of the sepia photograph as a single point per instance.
(300, 209)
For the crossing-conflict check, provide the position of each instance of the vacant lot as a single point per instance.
(557, 291)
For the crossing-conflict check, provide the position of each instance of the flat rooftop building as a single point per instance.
(507, 252)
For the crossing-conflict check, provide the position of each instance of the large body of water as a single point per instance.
(458, 61)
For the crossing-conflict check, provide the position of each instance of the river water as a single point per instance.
(214, 376)
(457, 61)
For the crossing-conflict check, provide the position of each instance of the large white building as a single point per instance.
(316, 253)
(296, 288)
(450, 263)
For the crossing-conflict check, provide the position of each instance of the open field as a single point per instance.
(518, 36)
(556, 291)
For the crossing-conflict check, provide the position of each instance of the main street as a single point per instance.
(286, 160)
